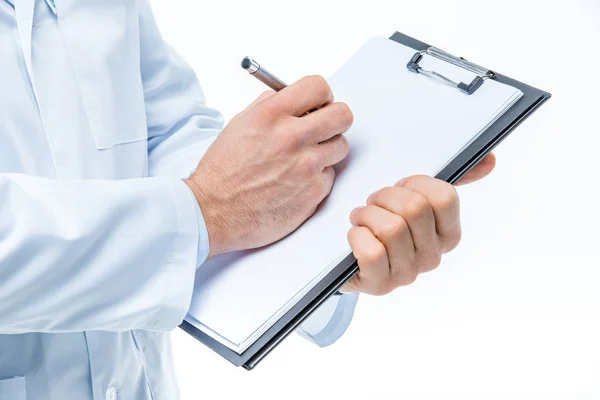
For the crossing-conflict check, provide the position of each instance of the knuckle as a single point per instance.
(352, 235)
(326, 182)
(448, 197)
(410, 181)
(394, 227)
(321, 88)
(265, 114)
(373, 254)
(404, 277)
(359, 216)
(374, 197)
(431, 260)
(287, 141)
(436, 259)
(266, 93)
(408, 277)
(417, 181)
(316, 190)
(378, 196)
(345, 115)
(308, 164)
(452, 239)
(382, 196)
(344, 144)
(416, 207)
(294, 138)
(329, 173)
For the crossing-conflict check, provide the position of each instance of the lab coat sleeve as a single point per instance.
(95, 255)
(113, 255)
(180, 125)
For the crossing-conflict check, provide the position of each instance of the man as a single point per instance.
(102, 226)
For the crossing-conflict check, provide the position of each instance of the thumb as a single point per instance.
(481, 170)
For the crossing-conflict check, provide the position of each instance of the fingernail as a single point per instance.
(400, 182)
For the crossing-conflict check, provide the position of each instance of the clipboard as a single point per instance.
(531, 100)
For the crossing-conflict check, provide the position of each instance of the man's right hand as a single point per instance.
(271, 167)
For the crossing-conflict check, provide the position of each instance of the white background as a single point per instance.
(514, 313)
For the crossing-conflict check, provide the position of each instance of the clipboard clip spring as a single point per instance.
(470, 88)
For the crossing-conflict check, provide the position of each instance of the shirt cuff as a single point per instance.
(203, 243)
(330, 321)
(180, 271)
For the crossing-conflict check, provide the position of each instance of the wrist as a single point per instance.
(216, 232)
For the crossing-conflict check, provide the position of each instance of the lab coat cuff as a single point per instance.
(203, 243)
(326, 325)
(182, 262)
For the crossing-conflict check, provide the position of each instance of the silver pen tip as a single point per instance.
(250, 65)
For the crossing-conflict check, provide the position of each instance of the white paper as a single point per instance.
(405, 124)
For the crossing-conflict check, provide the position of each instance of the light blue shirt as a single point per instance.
(99, 236)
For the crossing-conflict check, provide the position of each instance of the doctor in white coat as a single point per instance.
(114, 188)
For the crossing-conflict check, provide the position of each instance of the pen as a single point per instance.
(262, 74)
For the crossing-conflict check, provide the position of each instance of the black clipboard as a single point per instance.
(456, 169)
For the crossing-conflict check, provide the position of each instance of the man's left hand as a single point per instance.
(404, 230)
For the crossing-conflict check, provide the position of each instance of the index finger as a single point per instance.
(303, 96)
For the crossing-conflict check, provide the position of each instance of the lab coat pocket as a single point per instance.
(102, 38)
(13, 388)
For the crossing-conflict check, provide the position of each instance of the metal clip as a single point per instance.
(482, 73)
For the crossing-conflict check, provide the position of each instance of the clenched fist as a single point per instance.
(404, 230)
(269, 169)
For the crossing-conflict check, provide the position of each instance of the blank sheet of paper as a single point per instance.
(405, 124)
